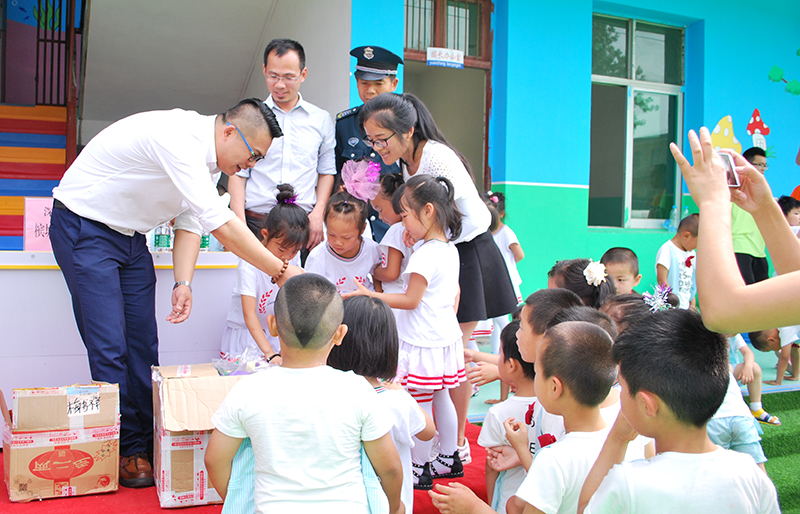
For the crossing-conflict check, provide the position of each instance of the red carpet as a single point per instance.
(145, 501)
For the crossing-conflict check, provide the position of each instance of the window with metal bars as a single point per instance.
(459, 24)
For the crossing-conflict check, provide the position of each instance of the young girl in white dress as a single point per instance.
(431, 357)
(346, 255)
(284, 233)
(370, 349)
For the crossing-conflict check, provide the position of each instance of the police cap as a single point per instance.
(375, 63)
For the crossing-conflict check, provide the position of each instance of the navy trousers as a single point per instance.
(112, 282)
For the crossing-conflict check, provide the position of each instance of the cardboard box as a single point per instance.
(184, 399)
(61, 441)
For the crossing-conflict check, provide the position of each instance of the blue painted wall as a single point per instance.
(380, 23)
(542, 80)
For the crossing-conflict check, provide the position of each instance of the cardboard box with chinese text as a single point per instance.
(61, 441)
(184, 399)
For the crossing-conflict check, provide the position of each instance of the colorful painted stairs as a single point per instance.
(32, 161)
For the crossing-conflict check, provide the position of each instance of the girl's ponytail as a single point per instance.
(439, 192)
(287, 220)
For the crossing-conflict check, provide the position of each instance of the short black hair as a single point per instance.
(287, 220)
(579, 354)
(690, 224)
(626, 310)
(759, 340)
(620, 255)
(251, 115)
(281, 46)
(370, 347)
(788, 203)
(569, 275)
(674, 356)
(508, 339)
(750, 153)
(346, 205)
(308, 310)
(587, 314)
(546, 303)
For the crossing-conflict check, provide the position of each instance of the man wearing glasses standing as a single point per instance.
(751, 253)
(303, 157)
(137, 173)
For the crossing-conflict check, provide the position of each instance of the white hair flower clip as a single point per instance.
(659, 300)
(595, 273)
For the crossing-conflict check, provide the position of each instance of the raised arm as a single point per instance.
(728, 305)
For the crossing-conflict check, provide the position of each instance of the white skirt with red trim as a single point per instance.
(431, 368)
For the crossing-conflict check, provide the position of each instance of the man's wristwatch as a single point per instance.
(183, 283)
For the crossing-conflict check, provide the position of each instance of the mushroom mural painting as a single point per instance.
(722, 136)
(758, 129)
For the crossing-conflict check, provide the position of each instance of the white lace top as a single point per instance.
(440, 161)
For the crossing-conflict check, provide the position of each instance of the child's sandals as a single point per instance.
(765, 417)
(422, 476)
(447, 466)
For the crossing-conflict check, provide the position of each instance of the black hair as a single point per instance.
(620, 255)
(626, 310)
(370, 348)
(517, 312)
(402, 112)
(569, 275)
(579, 354)
(423, 189)
(508, 339)
(389, 184)
(397, 199)
(750, 153)
(346, 205)
(251, 115)
(494, 224)
(690, 224)
(281, 46)
(674, 356)
(759, 340)
(287, 220)
(587, 314)
(308, 310)
(788, 203)
(546, 303)
(497, 199)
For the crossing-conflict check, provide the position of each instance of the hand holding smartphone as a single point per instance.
(730, 170)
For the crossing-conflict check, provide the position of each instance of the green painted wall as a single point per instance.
(551, 224)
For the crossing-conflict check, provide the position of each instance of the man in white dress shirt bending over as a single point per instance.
(304, 157)
(140, 172)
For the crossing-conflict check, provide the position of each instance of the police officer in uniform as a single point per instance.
(376, 73)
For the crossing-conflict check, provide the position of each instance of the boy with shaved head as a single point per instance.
(306, 421)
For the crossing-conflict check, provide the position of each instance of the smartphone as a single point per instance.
(730, 170)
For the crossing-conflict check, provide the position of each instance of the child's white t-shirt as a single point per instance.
(433, 323)
(393, 238)
(680, 267)
(324, 261)
(493, 433)
(733, 403)
(504, 238)
(306, 426)
(789, 335)
(408, 421)
(685, 483)
(555, 478)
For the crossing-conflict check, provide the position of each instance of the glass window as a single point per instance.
(633, 179)
(463, 24)
(419, 24)
(610, 47)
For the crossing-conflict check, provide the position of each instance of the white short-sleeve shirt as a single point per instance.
(686, 483)
(306, 426)
(324, 261)
(393, 238)
(433, 323)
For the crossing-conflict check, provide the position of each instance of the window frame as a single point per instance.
(633, 86)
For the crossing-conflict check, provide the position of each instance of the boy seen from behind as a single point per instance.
(676, 260)
(622, 266)
(674, 375)
(306, 421)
